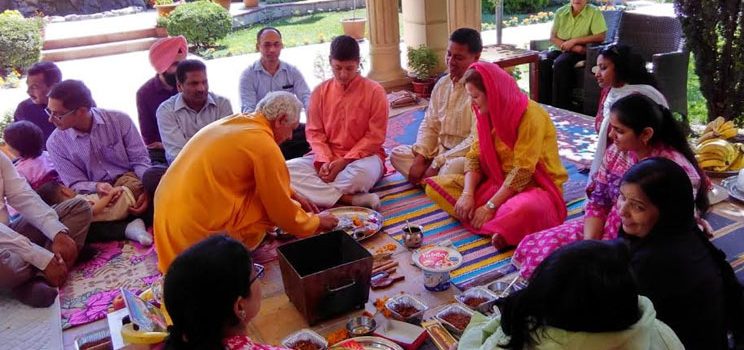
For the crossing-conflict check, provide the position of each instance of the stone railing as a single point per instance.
(64, 8)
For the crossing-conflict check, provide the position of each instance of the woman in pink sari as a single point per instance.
(639, 128)
(513, 181)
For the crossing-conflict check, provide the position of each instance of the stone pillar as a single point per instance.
(463, 14)
(425, 23)
(384, 45)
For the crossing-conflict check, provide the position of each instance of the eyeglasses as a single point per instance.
(259, 269)
(58, 116)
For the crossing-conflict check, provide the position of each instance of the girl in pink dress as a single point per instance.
(211, 294)
(27, 142)
(640, 128)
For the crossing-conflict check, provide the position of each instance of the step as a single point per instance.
(97, 50)
(100, 38)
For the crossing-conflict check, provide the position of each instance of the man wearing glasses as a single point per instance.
(41, 77)
(96, 149)
(271, 74)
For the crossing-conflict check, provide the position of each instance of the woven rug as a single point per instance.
(727, 221)
(577, 140)
(92, 285)
(25, 327)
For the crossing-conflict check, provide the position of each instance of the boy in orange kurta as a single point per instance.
(231, 178)
(346, 125)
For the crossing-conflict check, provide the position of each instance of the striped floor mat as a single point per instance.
(403, 202)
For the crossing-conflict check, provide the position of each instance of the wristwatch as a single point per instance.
(490, 205)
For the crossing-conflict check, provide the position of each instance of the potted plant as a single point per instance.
(354, 26)
(250, 3)
(223, 3)
(422, 62)
(165, 7)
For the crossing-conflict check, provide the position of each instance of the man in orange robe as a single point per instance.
(231, 178)
(346, 125)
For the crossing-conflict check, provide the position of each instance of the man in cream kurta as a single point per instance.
(448, 128)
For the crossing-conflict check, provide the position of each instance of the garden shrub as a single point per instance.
(201, 22)
(20, 42)
(516, 6)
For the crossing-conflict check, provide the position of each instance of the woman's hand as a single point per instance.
(482, 215)
(464, 207)
(593, 228)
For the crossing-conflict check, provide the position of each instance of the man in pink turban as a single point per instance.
(165, 54)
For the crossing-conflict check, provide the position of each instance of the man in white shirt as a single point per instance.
(268, 74)
(191, 109)
(38, 249)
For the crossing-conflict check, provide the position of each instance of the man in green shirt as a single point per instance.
(575, 26)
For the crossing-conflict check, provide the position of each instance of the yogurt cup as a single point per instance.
(437, 262)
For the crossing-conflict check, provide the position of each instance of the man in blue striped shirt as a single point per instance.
(271, 74)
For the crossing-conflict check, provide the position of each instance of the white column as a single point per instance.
(463, 14)
(384, 44)
(425, 23)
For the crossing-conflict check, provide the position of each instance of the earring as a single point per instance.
(241, 315)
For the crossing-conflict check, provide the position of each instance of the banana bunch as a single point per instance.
(718, 129)
(714, 153)
(738, 163)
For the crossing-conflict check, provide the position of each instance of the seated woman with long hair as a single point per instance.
(640, 128)
(581, 297)
(619, 72)
(691, 284)
(211, 294)
(513, 180)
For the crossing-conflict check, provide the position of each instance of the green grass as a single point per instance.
(313, 28)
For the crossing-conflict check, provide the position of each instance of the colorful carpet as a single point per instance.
(403, 202)
(92, 285)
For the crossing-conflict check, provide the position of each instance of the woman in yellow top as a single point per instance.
(513, 181)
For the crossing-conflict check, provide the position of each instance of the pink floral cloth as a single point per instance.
(602, 193)
(242, 342)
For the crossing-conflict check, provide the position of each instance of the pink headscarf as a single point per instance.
(167, 50)
(506, 105)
